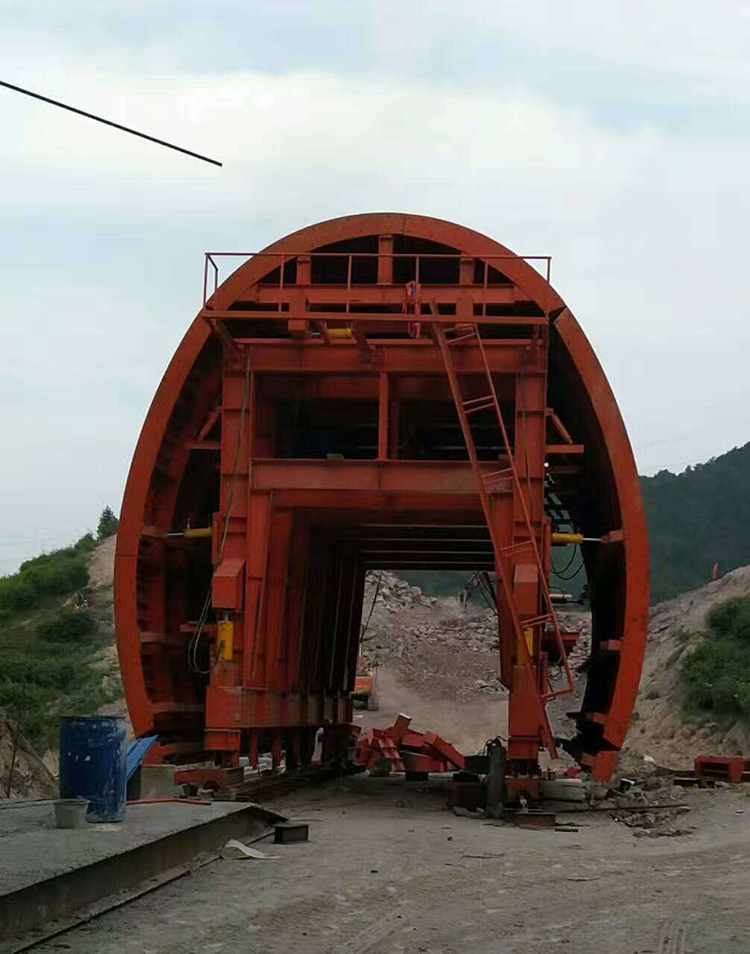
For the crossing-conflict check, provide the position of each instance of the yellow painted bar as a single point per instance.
(529, 634)
(340, 334)
(199, 532)
(559, 539)
(225, 638)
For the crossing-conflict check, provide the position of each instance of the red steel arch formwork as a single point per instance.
(377, 391)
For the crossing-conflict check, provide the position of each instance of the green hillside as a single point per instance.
(52, 636)
(696, 519)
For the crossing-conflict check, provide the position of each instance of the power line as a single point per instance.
(108, 122)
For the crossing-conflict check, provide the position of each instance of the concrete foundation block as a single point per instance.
(157, 781)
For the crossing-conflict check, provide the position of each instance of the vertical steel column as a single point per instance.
(297, 601)
(275, 650)
(385, 260)
(529, 455)
(383, 417)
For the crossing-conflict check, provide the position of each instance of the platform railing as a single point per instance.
(279, 260)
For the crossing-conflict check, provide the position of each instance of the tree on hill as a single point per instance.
(696, 519)
(108, 524)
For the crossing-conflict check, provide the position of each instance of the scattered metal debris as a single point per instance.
(400, 749)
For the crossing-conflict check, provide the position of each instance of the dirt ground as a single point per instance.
(467, 723)
(388, 870)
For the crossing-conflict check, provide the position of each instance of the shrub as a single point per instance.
(717, 673)
(16, 593)
(58, 578)
(86, 544)
(731, 619)
(743, 697)
(60, 673)
(51, 574)
(37, 687)
(67, 626)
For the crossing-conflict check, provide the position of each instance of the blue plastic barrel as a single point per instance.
(93, 754)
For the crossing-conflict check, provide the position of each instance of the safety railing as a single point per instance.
(280, 260)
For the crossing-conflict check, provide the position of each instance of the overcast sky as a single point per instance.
(613, 136)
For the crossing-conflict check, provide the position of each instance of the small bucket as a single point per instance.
(71, 812)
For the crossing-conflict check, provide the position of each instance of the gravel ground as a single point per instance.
(388, 870)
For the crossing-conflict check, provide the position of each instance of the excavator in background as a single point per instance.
(364, 696)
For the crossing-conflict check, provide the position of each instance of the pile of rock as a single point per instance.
(477, 635)
(649, 804)
(577, 623)
(491, 684)
(393, 593)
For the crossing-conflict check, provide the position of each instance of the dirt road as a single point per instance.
(388, 871)
(468, 723)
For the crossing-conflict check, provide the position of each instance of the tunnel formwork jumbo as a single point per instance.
(375, 392)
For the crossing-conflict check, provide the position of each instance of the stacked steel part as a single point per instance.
(375, 392)
(723, 768)
(400, 748)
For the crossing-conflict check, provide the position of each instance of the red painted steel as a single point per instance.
(307, 429)
(727, 768)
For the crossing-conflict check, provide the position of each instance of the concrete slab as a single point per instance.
(157, 781)
(48, 873)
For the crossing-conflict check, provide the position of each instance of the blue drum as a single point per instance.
(93, 754)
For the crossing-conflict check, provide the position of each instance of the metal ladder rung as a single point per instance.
(537, 621)
(452, 341)
(479, 407)
(484, 397)
(515, 547)
(498, 486)
(505, 472)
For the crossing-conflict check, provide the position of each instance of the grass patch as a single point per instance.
(717, 673)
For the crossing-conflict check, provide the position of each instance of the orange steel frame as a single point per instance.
(350, 322)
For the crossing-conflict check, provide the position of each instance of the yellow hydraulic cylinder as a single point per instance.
(199, 532)
(340, 334)
(225, 638)
(566, 539)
